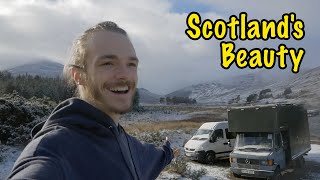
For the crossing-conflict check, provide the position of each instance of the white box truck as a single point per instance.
(212, 141)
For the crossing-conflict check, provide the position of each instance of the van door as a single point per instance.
(218, 145)
(279, 151)
(231, 138)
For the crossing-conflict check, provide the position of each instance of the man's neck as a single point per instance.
(114, 116)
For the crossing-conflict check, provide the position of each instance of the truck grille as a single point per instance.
(248, 161)
(248, 166)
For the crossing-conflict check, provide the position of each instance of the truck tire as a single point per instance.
(210, 157)
(236, 175)
(300, 162)
(277, 174)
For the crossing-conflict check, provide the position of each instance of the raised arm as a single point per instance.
(149, 159)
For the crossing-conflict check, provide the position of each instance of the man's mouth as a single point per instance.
(120, 89)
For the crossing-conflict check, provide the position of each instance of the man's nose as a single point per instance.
(122, 72)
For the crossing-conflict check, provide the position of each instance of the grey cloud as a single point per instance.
(169, 60)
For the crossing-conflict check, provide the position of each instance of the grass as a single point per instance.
(186, 125)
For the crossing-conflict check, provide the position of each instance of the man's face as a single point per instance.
(111, 71)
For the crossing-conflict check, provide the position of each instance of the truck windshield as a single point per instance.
(203, 131)
(254, 141)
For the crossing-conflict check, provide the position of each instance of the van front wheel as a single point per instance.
(277, 174)
(210, 157)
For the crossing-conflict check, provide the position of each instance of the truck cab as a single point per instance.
(258, 154)
(212, 141)
(269, 139)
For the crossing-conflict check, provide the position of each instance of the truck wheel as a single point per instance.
(236, 175)
(277, 174)
(300, 162)
(210, 157)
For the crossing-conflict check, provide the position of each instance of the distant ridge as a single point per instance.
(305, 87)
(45, 68)
(148, 97)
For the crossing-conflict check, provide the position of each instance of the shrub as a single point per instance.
(287, 91)
(178, 165)
(154, 138)
(252, 98)
(18, 115)
(266, 93)
(195, 174)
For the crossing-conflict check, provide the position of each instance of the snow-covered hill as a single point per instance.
(42, 68)
(304, 85)
(148, 97)
(223, 90)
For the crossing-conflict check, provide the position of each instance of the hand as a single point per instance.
(176, 152)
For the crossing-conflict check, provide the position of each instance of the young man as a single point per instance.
(82, 138)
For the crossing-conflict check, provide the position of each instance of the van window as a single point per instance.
(219, 133)
(230, 135)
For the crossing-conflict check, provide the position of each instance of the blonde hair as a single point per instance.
(79, 50)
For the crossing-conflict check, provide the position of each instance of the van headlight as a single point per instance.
(267, 162)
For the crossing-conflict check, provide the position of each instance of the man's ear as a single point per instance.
(77, 76)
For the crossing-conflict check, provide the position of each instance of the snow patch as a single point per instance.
(8, 154)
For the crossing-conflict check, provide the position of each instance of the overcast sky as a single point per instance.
(33, 29)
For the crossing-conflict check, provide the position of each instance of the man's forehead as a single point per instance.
(110, 42)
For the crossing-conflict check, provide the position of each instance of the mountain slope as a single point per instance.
(41, 68)
(223, 90)
(305, 86)
(148, 97)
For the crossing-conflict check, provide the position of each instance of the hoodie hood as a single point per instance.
(75, 113)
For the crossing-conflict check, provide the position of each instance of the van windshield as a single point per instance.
(203, 131)
(254, 141)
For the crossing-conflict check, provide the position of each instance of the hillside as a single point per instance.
(42, 68)
(223, 90)
(148, 97)
(304, 85)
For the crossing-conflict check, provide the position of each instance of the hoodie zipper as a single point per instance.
(132, 169)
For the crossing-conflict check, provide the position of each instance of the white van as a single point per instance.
(212, 141)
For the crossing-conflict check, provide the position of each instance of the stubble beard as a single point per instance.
(98, 98)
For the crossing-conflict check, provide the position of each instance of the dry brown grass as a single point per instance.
(205, 114)
(185, 125)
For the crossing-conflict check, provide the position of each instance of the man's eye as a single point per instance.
(133, 65)
(107, 64)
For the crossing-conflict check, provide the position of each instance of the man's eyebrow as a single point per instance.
(112, 56)
(134, 59)
(108, 56)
